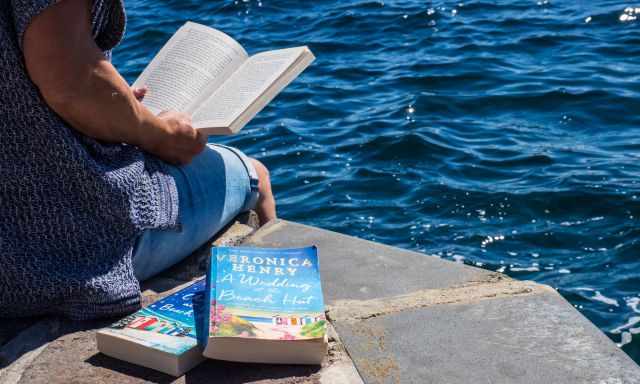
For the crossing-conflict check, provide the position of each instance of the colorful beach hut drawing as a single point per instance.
(153, 324)
(294, 320)
(142, 322)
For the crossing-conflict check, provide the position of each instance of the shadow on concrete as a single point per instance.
(53, 349)
(19, 336)
(100, 360)
(10, 329)
(235, 373)
(209, 371)
(33, 333)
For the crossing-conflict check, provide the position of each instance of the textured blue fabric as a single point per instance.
(70, 207)
(215, 187)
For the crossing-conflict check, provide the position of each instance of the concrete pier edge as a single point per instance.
(396, 317)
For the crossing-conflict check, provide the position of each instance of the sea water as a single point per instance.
(500, 134)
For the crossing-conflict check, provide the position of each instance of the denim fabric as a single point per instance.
(216, 186)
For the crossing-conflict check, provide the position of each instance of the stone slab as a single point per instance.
(403, 317)
(353, 268)
(61, 351)
(53, 350)
(409, 318)
(30, 338)
(536, 339)
(73, 358)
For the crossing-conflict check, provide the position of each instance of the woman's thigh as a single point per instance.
(216, 186)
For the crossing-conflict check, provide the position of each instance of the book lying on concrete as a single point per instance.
(161, 336)
(207, 74)
(265, 305)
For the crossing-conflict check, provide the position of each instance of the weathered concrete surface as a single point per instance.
(535, 339)
(374, 270)
(73, 358)
(402, 317)
(10, 329)
(53, 350)
(409, 318)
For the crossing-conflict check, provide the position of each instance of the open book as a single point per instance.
(207, 74)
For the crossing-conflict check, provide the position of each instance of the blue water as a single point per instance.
(502, 134)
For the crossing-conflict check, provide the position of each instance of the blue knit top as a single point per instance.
(70, 207)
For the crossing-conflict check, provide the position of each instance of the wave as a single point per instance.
(505, 132)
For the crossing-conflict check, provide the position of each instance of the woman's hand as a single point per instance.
(178, 142)
(181, 142)
(139, 93)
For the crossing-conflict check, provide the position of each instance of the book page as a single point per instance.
(245, 86)
(193, 63)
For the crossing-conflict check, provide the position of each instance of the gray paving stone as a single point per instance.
(53, 350)
(30, 338)
(532, 339)
(409, 318)
(73, 358)
(403, 317)
(352, 268)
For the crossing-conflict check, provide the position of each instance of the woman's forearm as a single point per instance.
(80, 84)
(101, 105)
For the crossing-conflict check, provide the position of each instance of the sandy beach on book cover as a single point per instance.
(241, 322)
(271, 294)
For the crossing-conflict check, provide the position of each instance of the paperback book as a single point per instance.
(207, 74)
(259, 305)
(265, 305)
(162, 336)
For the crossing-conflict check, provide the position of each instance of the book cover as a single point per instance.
(168, 325)
(264, 293)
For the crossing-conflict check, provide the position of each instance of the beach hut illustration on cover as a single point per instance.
(153, 324)
(294, 320)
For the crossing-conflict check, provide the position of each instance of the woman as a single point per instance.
(96, 192)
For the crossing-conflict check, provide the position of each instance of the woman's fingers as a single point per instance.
(139, 93)
(182, 142)
(202, 139)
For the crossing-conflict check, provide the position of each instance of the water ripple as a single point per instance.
(502, 134)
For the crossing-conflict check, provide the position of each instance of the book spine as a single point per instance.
(214, 286)
(209, 306)
(203, 335)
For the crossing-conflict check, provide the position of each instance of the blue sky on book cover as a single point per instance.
(267, 293)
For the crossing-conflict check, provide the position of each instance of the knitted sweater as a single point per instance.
(71, 207)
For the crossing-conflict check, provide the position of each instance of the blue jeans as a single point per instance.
(216, 186)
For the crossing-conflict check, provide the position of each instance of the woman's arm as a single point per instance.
(81, 85)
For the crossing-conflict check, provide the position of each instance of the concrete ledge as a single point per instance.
(53, 350)
(409, 318)
(401, 317)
